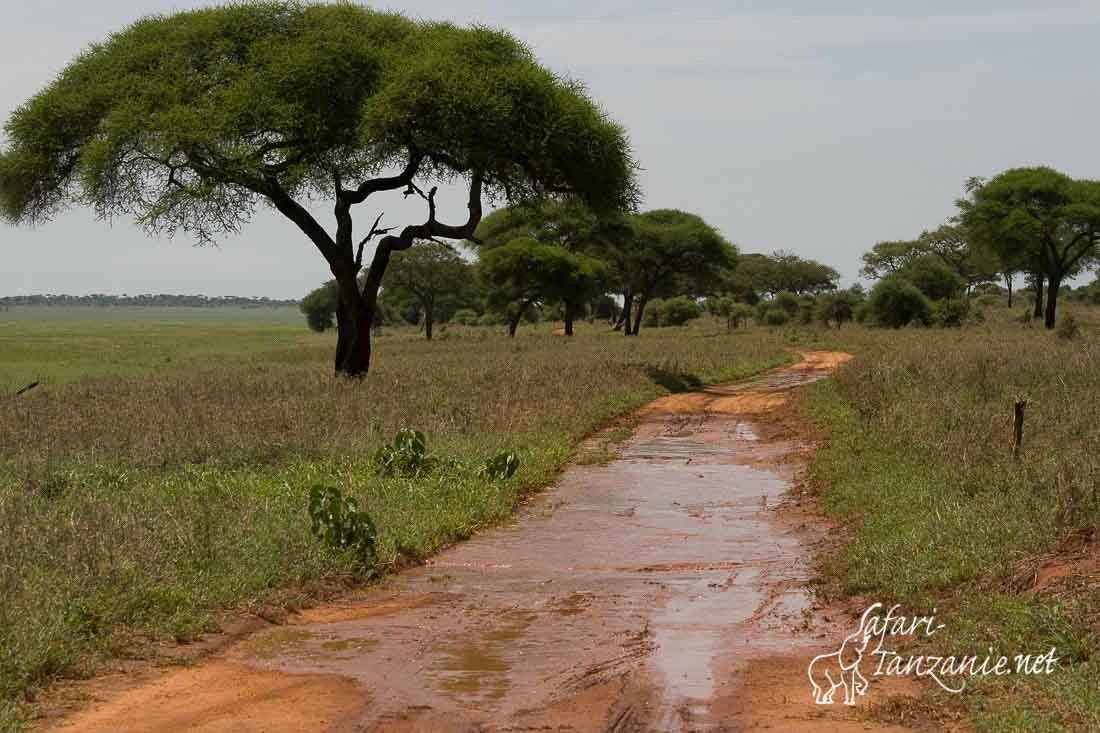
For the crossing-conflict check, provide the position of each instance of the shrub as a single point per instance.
(776, 317)
(678, 311)
(406, 456)
(950, 313)
(501, 467)
(652, 316)
(806, 309)
(1068, 328)
(465, 317)
(739, 315)
(895, 302)
(788, 302)
(932, 277)
(337, 520)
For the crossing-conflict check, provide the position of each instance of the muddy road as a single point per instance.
(656, 592)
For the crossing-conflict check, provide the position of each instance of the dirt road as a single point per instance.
(663, 591)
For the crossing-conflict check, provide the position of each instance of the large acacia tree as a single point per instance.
(1039, 216)
(189, 122)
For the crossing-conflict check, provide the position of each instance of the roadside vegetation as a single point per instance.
(917, 462)
(138, 506)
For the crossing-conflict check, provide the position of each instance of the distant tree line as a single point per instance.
(161, 300)
(558, 260)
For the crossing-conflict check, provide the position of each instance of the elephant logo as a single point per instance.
(840, 669)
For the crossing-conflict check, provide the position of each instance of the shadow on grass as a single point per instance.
(674, 380)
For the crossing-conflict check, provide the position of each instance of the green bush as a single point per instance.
(895, 302)
(1068, 328)
(501, 467)
(807, 307)
(465, 317)
(932, 277)
(337, 520)
(788, 302)
(406, 456)
(950, 313)
(776, 317)
(678, 311)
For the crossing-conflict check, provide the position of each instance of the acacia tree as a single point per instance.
(429, 271)
(1041, 216)
(664, 252)
(525, 272)
(189, 122)
(565, 223)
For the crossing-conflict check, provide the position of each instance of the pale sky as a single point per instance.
(818, 126)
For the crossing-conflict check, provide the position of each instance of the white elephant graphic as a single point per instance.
(829, 672)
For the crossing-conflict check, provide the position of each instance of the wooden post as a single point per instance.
(1018, 429)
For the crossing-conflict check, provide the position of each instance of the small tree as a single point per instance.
(524, 272)
(189, 122)
(666, 253)
(430, 271)
(566, 223)
(319, 307)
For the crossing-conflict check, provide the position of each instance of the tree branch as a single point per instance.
(374, 230)
(429, 229)
(388, 183)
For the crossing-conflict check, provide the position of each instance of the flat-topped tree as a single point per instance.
(187, 122)
(666, 252)
(566, 223)
(1041, 217)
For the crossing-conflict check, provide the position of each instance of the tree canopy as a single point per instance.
(526, 272)
(188, 122)
(1037, 216)
(665, 252)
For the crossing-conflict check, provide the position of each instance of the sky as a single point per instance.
(815, 126)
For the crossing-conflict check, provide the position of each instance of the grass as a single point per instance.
(140, 496)
(917, 463)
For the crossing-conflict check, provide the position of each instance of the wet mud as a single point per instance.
(644, 594)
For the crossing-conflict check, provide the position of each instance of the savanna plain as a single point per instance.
(160, 476)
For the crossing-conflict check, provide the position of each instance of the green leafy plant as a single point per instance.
(406, 456)
(337, 520)
(502, 466)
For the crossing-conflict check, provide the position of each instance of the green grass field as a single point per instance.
(917, 463)
(161, 473)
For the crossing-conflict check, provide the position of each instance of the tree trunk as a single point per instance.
(628, 306)
(353, 321)
(1008, 284)
(513, 323)
(568, 317)
(638, 318)
(429, 320)
(1052, 302)
(1039, 295)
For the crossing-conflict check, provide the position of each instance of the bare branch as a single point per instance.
(374, 231)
